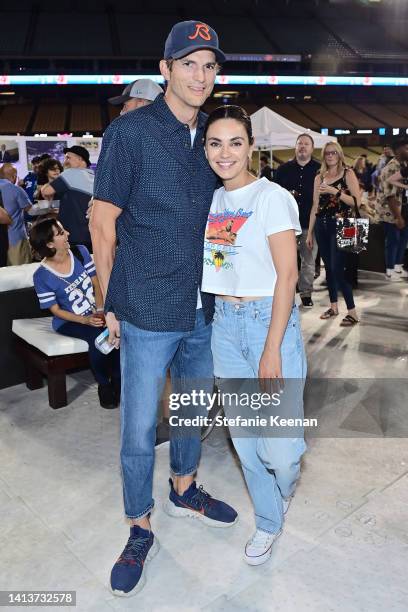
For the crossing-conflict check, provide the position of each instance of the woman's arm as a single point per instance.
(73, 318)
(312, 218)
(354, 189)
(284, 254)
(97, 293)
(352, 185)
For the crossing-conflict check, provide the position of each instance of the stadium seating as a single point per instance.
(283, 155)
(113, 112)
(385, 115)
(400, 109)
(15, 118)
(14, 27)
(356, 117)
(351, 154)
(323, 116)
(57, 34)
(307, 36)
(370, 41)
(293, 114)
(85, 118)
(50, 118)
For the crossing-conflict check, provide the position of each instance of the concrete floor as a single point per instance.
(345, 542)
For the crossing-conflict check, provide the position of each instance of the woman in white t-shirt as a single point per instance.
(250, 263)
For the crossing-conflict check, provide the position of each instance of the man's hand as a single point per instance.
(113, 326)
(399, 222)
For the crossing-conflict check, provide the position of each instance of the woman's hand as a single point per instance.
(93, 320)
(309, 241)
(270, 370)
(270, 365)
(324, 188)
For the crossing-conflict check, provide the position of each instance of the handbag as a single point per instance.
(352, 232)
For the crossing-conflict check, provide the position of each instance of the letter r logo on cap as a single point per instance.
(202, 31)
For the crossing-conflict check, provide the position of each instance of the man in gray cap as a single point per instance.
(137, 94)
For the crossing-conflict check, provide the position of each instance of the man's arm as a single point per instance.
(102, 226)
(23, 200)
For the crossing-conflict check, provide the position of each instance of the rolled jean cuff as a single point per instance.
(189, 472)
(270, 532)
(141, 514)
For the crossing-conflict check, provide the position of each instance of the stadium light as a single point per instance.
(222, 79)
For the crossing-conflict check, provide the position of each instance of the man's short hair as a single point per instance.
(265, 159)
(307, 136)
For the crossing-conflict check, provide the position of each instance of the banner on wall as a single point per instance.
(9, 152)
(19, 150)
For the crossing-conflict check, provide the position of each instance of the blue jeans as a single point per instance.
(334, 261)
(396, 241)
(145, 359)
(271, 466)
(104, 367)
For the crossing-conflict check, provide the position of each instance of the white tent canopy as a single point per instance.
(273, 131)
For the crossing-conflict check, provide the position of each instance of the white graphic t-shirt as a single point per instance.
(237, 257)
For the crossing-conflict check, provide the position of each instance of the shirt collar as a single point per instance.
(169, 121)
(296, 163)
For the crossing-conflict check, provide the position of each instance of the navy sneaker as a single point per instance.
(128, 573)
(197, 503)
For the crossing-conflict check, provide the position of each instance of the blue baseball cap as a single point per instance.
(189, 36)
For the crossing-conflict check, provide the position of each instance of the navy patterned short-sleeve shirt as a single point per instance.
(164, 187)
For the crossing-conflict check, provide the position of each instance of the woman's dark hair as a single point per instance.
(41, 233)
(231, 111)
(45, 165)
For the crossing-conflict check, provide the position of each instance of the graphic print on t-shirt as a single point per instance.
(221, 236)
(72, 292)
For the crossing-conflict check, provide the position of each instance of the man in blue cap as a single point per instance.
(153, 191)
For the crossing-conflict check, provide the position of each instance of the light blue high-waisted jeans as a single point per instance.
(271, 465)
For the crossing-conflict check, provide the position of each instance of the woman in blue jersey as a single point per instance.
(256, 331)
(66, 284)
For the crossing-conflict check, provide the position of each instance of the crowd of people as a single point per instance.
(194, 270)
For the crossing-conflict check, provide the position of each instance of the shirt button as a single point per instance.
(193, 201)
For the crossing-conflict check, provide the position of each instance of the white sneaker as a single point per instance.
(401, 273)
(258, 549)
(394, 277)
